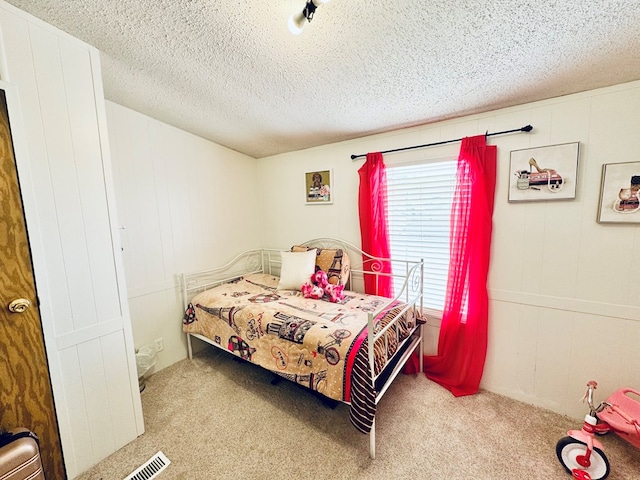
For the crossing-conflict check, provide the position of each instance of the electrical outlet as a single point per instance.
(159, 344)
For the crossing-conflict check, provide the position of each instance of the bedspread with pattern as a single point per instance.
(311, 342)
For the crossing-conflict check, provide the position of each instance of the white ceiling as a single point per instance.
(231, 72)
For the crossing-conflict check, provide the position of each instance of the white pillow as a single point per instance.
(297, 268)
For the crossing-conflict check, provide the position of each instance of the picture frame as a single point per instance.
(544, 173)
(620, 193)
(319, 187)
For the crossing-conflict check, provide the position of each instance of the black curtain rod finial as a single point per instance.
(527, 128)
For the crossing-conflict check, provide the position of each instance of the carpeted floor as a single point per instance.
(217, 418)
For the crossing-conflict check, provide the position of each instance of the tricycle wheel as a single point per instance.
(568, 450)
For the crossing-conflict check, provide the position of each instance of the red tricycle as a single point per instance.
(580, 453)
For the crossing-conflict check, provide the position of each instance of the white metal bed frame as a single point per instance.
(269, 261)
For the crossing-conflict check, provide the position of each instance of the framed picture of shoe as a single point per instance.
(620, 193)
(544, 173)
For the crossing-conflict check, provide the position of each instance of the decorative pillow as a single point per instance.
(334, 261)
(296, 269)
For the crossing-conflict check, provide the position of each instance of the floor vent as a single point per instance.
(151, 469)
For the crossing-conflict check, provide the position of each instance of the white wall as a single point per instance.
(184, 204)
(565, 295)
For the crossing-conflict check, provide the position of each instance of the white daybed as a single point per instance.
(322, 345)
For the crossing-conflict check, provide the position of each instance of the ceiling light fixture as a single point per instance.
(297, 20)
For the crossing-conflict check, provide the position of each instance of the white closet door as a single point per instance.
(65, 175)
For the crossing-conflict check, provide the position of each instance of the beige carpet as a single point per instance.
(217, 418)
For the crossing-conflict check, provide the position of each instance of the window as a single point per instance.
(419, 210)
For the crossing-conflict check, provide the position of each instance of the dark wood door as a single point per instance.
(26, 399)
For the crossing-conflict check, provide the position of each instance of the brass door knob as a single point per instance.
(19, 305)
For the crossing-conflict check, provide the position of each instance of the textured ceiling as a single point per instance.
(231, 72)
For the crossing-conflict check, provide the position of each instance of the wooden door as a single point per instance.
(26, 398)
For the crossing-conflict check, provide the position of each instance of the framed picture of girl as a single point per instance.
(318, 187)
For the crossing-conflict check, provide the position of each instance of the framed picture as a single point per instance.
(319, 187)
(620, 193)
(544, 173)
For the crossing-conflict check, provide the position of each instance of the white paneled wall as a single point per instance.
(565, 295)
(184, 204)
(559, 313)
(58, 119)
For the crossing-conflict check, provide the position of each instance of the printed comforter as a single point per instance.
(315, 343)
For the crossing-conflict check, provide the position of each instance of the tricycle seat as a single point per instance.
(624, 414)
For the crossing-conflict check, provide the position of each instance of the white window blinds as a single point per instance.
(419, 209)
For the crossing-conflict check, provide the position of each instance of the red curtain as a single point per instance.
(462, 344)
(374, 232)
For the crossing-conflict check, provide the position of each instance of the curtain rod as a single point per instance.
(526, 128)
